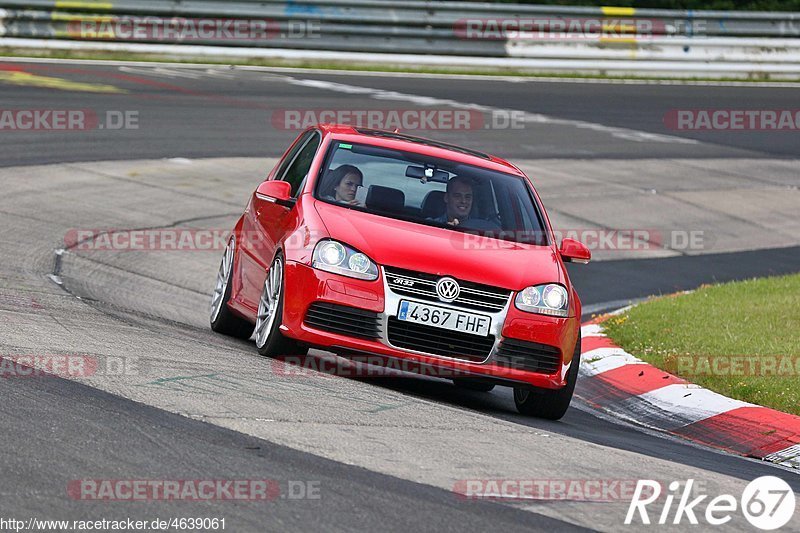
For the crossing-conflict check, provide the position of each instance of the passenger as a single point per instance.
(342, 185)
(458, 201)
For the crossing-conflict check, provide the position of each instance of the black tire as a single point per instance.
(473, 384)
(222, 319)
(272, 342)
(550, 404)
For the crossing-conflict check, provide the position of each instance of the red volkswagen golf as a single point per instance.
(367, 242)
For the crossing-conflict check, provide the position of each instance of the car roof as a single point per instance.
(395, 139)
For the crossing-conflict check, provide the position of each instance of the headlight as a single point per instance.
(333, 256)
(550, 299)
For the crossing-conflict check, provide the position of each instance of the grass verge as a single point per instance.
(740, 339)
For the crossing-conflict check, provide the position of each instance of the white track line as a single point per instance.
(534, 118)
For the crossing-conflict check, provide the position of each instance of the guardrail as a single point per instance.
(754, 42)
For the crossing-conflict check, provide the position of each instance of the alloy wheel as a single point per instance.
(268, 304)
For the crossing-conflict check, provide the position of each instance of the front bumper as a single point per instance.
(305, 286)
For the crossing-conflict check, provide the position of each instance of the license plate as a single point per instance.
(440, 317)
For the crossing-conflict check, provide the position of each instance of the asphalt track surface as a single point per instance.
(227, 112)
(56, 430)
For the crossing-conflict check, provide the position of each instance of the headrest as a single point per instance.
(433, 205)
(386, 199)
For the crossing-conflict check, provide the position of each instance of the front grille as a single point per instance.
(437, 341)
(423, 286)
(344, 320)
(529, 356)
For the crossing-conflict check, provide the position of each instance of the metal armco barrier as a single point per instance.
(754, 43)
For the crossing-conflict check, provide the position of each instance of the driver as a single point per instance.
(458, 200)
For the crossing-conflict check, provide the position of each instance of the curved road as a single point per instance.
(192, 405)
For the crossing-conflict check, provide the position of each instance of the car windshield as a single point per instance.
(432, 191)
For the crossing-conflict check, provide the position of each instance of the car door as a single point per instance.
(267, 222)
(251, 239)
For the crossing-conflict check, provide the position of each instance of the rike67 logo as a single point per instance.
(768, 503)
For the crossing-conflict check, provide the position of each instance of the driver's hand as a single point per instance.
(454, 222)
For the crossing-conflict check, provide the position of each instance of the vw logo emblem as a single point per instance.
(447, 289)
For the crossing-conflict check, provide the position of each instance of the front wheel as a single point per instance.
(550, 404)
(222, 319)
(269, 339)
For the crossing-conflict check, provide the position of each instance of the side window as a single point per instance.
(298, 168)
(290, 155)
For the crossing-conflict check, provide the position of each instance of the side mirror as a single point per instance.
(573, 251)
(279, 192)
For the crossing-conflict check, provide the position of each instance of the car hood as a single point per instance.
(438, 251)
